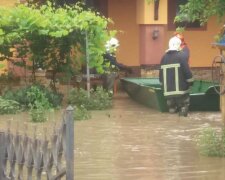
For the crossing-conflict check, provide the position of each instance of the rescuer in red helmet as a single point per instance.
(183, 46)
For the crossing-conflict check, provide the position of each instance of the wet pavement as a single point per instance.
(133, 142)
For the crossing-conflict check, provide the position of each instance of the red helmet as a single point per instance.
(181, 37)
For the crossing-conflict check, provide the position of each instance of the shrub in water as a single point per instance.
(38, 104)
(54, 98)
(37, 98)
(99, 99)
(211, 142)
(21, 95)
(78, 97)
(81, 113)
(38, 114)
(9, 106)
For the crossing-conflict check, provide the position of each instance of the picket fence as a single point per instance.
(26, 158)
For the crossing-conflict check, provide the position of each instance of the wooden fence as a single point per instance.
(26, 158)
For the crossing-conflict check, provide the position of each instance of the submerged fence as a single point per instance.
(26, 158)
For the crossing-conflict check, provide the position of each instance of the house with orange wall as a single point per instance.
(146, 28)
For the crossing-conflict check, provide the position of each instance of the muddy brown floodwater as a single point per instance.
(133, 142)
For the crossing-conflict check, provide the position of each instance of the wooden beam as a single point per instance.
(156, 9)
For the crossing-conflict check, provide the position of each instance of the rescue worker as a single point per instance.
(111, 65)
(184, 47)
(176, 78)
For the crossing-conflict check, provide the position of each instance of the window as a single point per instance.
(173, 10)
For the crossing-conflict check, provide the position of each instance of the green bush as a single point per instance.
(37, 98)
(78, 97)
(38, 114)
(54, 98)
(38, 104)
(99, 99)
(211, 142)
(21, 96)
(81, 113)
(9, 106)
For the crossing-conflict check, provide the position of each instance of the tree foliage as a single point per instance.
(53, 38)
(201, 10)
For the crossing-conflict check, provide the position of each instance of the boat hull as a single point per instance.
(148, 92)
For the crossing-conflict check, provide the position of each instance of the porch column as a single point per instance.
(152, 20)
(152, 39)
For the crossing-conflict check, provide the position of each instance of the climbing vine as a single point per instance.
(53, 38)
(201, 10)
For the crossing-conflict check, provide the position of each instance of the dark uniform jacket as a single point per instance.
(175, 75)
(112, 59)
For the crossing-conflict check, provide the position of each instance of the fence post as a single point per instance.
(69, 143)
(2, 154)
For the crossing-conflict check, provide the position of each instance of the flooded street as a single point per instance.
(133, 142)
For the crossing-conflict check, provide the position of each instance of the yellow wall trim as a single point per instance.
(145, 12)
(8, 3)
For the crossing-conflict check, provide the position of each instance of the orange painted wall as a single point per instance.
(129, 14)
(199, 42)
(151, 50)
(123, 13)
(145, 12)
(7, 2)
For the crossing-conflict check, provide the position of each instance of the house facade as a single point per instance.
(145, 28)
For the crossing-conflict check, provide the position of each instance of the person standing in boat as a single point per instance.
(176, 78)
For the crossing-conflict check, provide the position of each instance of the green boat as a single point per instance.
(147, 91)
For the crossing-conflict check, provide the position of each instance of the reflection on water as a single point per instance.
(132, 142)
(22, 123)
